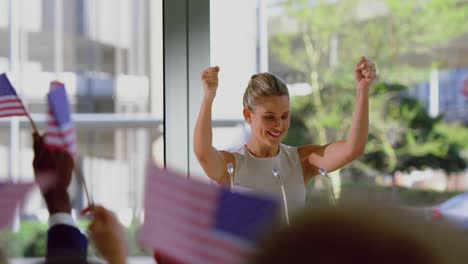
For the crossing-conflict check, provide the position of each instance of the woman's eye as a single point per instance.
(284, 117)
(270, 118)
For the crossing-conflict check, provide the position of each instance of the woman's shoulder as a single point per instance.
(235, 156)
(306, 150)
(289, 149)
(236, 150)
(290, 152)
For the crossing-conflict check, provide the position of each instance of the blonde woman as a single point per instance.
(267, 111)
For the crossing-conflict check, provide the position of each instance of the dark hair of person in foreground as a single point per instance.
(360, 232)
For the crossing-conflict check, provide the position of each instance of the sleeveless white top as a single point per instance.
(256, 174)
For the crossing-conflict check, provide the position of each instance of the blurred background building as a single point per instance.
(102, 51)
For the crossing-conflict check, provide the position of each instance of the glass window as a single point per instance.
(103, 51)
(234, 49)
(419, 50)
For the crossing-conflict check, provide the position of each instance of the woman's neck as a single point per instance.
(262, 151)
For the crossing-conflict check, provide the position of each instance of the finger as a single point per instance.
(91, 209)
(361, 60)
(212, 83)
(370, 64)
(212, 79)
(358, 65)
(367, 64)
(212, 69)
(212, 75)
(94, 227)
(87, 210)
(371, 76)
(357, 72)
(100, 214)
(207, 71)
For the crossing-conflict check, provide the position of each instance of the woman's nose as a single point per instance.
(278, 123)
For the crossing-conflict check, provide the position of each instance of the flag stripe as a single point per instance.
(193, 187)
(11, 194)
(183, 255)
(11, 104)
(15, 112)
(67, 136)
(62, 127)
(206, 251)
(9, 98)
(54, 131)
(60, 131)
(198, 236)
(186, 198)
(189, 215)
(54, 140)
(187, 251)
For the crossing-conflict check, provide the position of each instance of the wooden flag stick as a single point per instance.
(34, 127)
(81, 178)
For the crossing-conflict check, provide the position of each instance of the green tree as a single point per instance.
(412, 138)
(387, 37)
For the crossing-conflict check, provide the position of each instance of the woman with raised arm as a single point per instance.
(267, 111)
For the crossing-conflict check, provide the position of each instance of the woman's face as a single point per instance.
(269, 119)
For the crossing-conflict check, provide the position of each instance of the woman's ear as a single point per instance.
(247, 115)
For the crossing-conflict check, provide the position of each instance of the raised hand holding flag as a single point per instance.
(60, 131)
(194, 222)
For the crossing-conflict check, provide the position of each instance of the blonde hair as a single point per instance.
(263, 85)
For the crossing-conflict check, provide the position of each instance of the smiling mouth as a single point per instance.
(274, 134)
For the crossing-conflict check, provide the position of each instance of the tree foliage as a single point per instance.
(402, 135)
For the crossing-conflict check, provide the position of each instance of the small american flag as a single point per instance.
(11, 194)
(194, 222)
(60, 132)
(10, 103)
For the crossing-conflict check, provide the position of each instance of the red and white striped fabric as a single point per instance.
(194, 222)
(464, 89)
(60, 131)
(10, 103)
(11, 195)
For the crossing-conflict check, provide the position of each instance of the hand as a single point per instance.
(210, 81)
(107, 234)
(53, 171)
(364, 73)
(55, 162)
